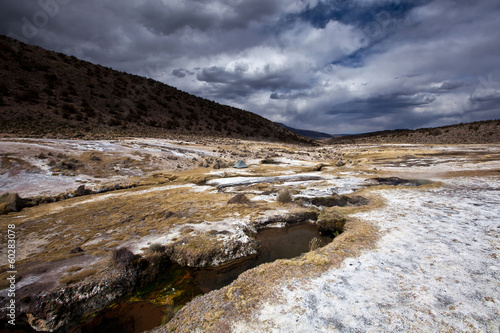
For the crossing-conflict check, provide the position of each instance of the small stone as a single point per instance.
(239, 199)
(76, 250)
(81, 190)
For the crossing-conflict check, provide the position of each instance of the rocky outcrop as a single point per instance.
(60, 308)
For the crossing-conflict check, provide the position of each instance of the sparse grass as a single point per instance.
(314, 244)
(74, 269)
(75, 278)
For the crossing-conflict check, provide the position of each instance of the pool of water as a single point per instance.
(275, 243)
(156, 304)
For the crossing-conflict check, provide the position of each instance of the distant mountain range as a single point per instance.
(478, 132)
(307, 133)
(44, 93)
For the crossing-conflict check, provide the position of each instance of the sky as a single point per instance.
(336, 66)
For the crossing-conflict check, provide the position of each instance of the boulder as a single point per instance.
(81, 190)
(10, 202)
(239, 199)
(76, 250)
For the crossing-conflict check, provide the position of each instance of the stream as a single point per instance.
(157, 304)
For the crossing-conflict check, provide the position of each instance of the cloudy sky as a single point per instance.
(338, 66)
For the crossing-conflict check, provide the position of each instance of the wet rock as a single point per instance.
(239, 199)
(331, 221)
(10, 202)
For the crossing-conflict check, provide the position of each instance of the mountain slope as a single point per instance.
(44, 93)
(307, 133)
(478, 132)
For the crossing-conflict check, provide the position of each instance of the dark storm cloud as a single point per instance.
(181, 72)
(330, 65)
(267, 79)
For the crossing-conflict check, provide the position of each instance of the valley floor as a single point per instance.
(421, 258)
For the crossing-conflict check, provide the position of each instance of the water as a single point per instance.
(276, 243)
(158, 303)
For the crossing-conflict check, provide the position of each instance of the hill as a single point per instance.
(307, 133)
(470, 133)
(50, 94)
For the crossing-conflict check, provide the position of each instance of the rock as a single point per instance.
(340, 162)
(205, 250)
(239, 199)
(216, 165)
(10, 202)
(76, 250)
(65, 166)
(168, 214)
(331, 221)
(81, 190)
(122, 256)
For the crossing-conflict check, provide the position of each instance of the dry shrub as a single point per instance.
(284, 196)
(314, 244)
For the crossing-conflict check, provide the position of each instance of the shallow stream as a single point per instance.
(158, 303)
